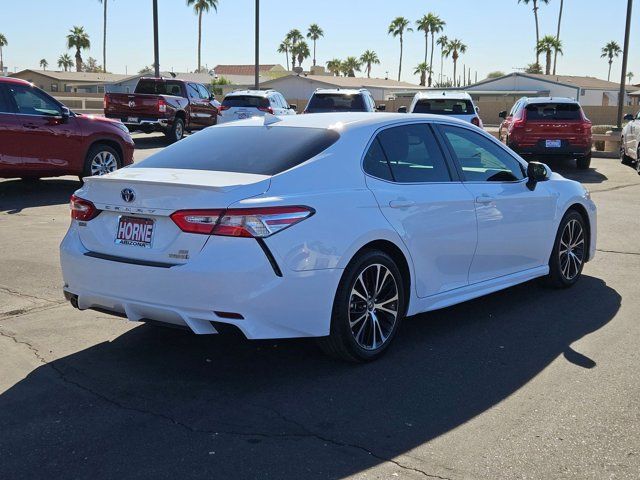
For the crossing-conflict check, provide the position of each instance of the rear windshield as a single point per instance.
(159, 87)
(257, 150)
(245, 101)
(444, 106)
(335, 102)
(553, 111)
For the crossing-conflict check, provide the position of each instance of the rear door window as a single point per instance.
(159, 87)
(336, 102)
(246, 101)
(554, 111)
(256, 150)
(444, 106)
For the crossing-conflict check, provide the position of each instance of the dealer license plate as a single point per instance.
(553, 143)
(134, 231)
(132, 119)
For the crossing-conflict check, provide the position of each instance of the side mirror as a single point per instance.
(537, 172)
(381, 108)
(402, 110)
(503, 114)
(293, 106)
(65, 113)
(629, 117)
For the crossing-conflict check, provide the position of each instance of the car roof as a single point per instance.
(342, 120)
(340, 91)
(550, 100)
(439, 94)
(18, 81)
(255, 93)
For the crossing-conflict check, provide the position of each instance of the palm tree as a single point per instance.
(630, 76)
(44, 64)
(350, 66)
(546, 45)
(555, 57)
(397, 29)
(335, 66)
(424, 24)
(369, 58)
(442, 42)
(294, 36)
(3, 43)
(284, 47)
(300, 51)
(314, 33)
(422, 69)
(65, 61)
(200, 7)
(436, 27)
(535, 15)
(611, 50)
(454, 48)
(104, 34)
(78, 39)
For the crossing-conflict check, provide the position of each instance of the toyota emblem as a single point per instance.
(128, 195)
(132, 104)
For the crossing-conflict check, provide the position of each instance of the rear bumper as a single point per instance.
(229, 276)
(148, 124)
(567, 150)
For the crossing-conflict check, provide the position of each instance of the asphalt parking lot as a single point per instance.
(528, 383)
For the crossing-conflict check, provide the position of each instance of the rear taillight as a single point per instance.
(196, 221)
(105, 102)
(82, 209)
(475, 121)
(266, 109)
(237, 222)
(162, 105)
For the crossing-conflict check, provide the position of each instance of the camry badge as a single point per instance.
(128, 195)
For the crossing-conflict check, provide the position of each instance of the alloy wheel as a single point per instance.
(373, 306)
(103, 162)
(571, 249)
(179, 131)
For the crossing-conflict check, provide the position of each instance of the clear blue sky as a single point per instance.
(499, 33)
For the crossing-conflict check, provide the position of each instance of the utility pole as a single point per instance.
(156, 50)
(625, 55)
(256, 74)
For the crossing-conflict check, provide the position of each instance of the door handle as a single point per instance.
(401, 203)
(31, 126)
(485, 199)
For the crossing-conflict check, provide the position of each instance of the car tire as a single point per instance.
(100, 160)
(176, 132)
(570, 251)
(356, 339)
(583, 163)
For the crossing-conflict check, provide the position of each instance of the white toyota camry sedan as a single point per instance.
(334, 226)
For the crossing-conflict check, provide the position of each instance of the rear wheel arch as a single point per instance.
(109, 142)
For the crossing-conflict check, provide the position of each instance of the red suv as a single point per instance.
(40, 137)
(548, 128)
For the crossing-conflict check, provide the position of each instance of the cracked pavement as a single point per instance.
(527, 383)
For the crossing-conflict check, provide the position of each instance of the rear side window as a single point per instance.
(412, 154)
(5, 107)
(335, 102)
(444, 106)
(554, 111)
(257, 150)
(249, 101)
(159, 87)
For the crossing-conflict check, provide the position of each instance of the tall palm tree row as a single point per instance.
(535, 15)
(44, 64)
(429, 24)
(65, 61)
(200, 7)
(78, 39)
(3, 43)
(610, 51)
(314, 33)
(454, 48)
(397, 28)
(368, 59)
(104, 34)
(293, 37)
(547, 45)
(555, 56)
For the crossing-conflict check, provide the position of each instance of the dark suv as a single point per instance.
(548, 128)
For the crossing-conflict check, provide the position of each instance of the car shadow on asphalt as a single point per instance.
(16, 195)
(162, 403)
(146, 142)
(568, 169)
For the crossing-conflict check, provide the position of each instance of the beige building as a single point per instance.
(69, 82)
